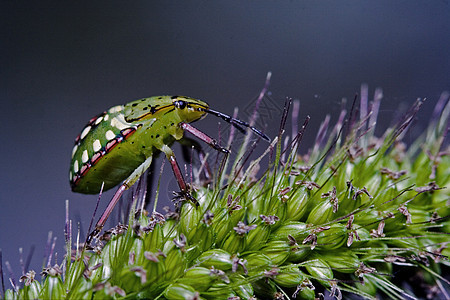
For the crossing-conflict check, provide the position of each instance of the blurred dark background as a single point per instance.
(62, 63)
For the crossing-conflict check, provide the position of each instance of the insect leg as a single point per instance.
(178, 175)
(204, 137)
(124, 186)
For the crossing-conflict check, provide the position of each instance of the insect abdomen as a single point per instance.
(102, 153)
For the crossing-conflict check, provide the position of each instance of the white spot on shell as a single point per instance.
(84, 156)
(115, 109)
(99, 119)
(75, 166)
(96, 145)
(106, 118)
(110, 135)
(119, 122)
(85, 132)
(70, 176)
(74, 150)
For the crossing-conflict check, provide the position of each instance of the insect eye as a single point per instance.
(180, 104)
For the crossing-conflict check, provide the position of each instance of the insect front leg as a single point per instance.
(178, 175)
(124, 186)
(204, 137)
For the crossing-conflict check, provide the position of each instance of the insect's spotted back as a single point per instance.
(112, 145)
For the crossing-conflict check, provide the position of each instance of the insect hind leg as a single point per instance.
(124, 186)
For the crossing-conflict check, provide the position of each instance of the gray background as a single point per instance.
(61, 64)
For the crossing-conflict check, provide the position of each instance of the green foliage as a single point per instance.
(343, 218)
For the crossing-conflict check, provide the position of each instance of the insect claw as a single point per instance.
(195, 202)
(216, 146)
(191, 198)
(93, 235)
(184, 196)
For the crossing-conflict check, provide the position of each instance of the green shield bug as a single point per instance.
(118, 145)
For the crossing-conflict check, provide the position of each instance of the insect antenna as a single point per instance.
(236, 123)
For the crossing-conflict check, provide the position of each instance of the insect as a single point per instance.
(118, 145)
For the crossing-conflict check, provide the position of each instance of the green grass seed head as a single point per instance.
(340, 220)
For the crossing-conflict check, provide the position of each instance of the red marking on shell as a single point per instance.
(77, 140)
(93, 119)
(76, 179)
(84, 169)
(96, 157)
(111, 144)
(127, 132)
